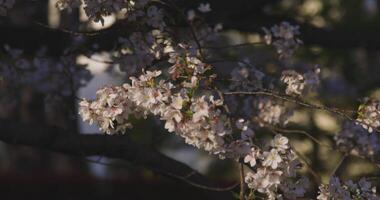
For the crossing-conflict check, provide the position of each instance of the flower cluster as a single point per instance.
(5, 5)
(59, 77)
(348, 190)
(197, 119)
(300, 84)
(274, 170)
(369, 114)
(185, 62)
(140, 50)
(110, 110)
(284, 38)
(353, 138)
(269, 111)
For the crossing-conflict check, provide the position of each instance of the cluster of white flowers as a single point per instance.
(196, 118)
(185, 62)
(348, 190)
(206, 127)
(269, 111)
(284, 38)
(59, 77)
(353, 138)
(369, 114)
(110, 110)
(300, 84)
(275, 171)
(5, 5)
(199, 120)
(139, 50)
(295, 82)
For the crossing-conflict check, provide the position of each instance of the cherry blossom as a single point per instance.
(251, 157)
(280, 142)
(369, 114)
(271, 112)
(354, 138)
(204, 7)
(272, 159)
(336, 189)
(284, 38)
(298, 84)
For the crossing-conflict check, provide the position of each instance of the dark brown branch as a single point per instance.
(246, 16)
(242, 190)
(249, 16)
(112, 146)
(334, 38)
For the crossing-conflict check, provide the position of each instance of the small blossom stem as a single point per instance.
(220, 93)
(193, 33)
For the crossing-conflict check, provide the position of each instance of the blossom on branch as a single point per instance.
(284, 38)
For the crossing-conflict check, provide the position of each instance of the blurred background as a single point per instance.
(341, 36)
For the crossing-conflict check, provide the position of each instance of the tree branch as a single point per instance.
(249, 16)
(245, 16)
(112, 146)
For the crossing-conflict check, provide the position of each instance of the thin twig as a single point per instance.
(301, 103)
(338, 165)
(306, 134)
(67, 31)
(234, 45)
(308, 166)
(182, 178)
